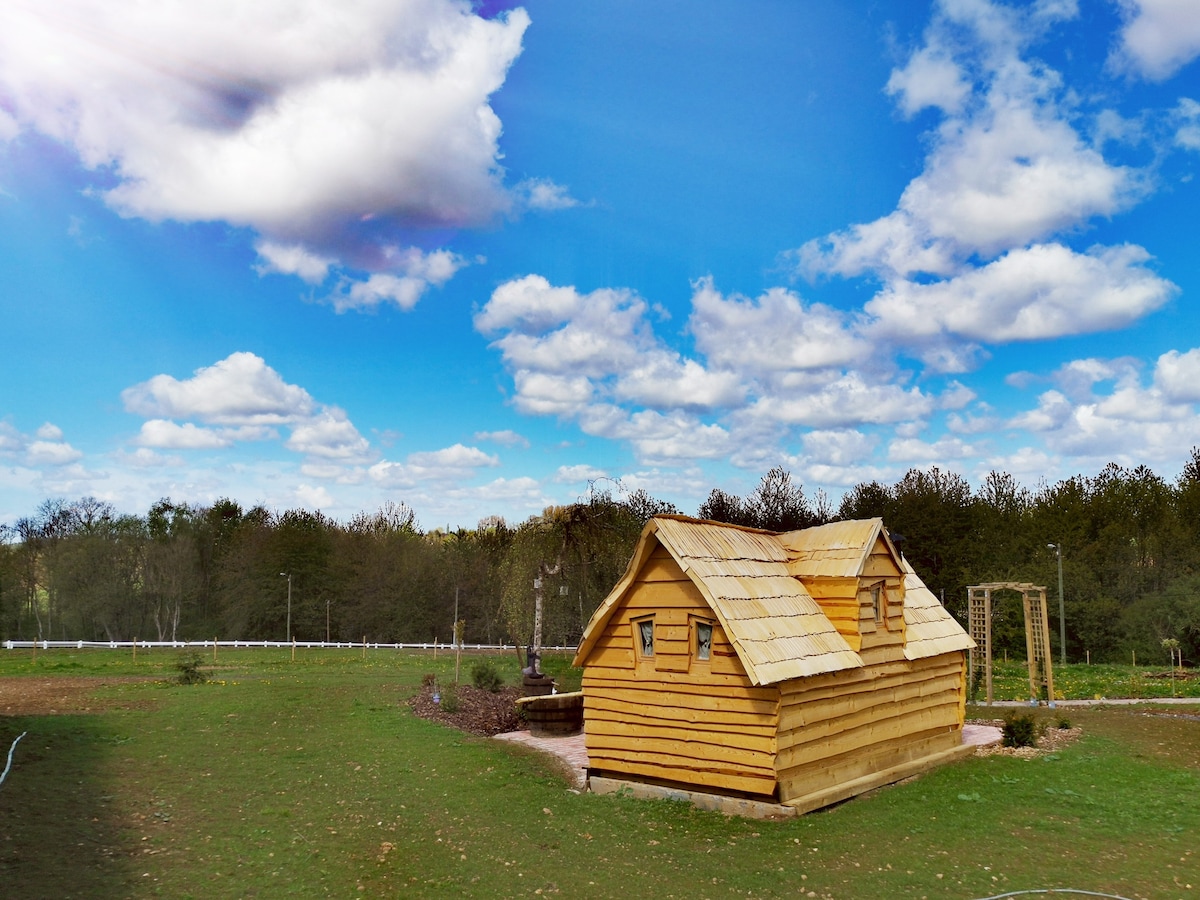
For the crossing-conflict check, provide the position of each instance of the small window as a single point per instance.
(704, 631)
(645, 635)
(879, 599)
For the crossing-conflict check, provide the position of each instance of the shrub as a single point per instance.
(428, 680)
(1064, 724)
(485, 677)
(450, 698)
(188, 667)
(1020, 731)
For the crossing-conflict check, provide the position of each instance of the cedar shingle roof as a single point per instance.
(928, 628)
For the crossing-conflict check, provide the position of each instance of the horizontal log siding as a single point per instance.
(838, 727)
(838, 599)
(677, 719)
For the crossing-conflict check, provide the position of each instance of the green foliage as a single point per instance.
(1020, 730)
(485, 676)
(449, 697)
(189, 667)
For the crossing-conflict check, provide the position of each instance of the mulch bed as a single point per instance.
(1049, 741)
(479, 712)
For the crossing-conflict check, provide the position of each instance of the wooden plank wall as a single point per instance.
(838, 727)
(673, 718)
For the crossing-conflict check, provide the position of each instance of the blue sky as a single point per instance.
(478, 258)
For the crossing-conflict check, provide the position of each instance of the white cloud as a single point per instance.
(313, 496)
(1104, 413)
(849, 400)
(1159, 37)
(505, 438)
(457, 463)
(456, 457)
(914, 451)
(527, 305)
(931, 77)
(577, 474)
(292, 259)
(1178, 375)
(663, 380)
(11, 440)
(544, 194)
(839, 447)
(45, 448)
(51, 453)
(321, 127)
(774, 334)
(165, 434)
(329, 435)
(145, 458)
(239, 390)
(1034, 293)
(1187, 119)
(420, 270)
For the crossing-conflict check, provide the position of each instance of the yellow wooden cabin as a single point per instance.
(800, 668)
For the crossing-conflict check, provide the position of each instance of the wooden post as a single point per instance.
(293, 649)
(364, 646)
(214, 651)
(135, 651)
(35, 652)
(1135, 657)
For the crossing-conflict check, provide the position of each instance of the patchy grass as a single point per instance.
(312, 778)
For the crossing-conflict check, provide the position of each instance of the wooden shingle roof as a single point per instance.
(928, 629)
(777, 629)
(835, 550)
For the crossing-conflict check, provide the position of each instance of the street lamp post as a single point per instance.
(288, 576)
(1062, 614)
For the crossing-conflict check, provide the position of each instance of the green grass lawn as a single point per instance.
(311, 778)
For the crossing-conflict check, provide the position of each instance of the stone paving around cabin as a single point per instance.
(571, 750)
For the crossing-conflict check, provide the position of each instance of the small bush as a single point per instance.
(428, 680)
(1064, 724)
(450, 698)
(485, 677)
(1020, 731)
(188, 667)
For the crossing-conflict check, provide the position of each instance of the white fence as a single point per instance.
(240, 645)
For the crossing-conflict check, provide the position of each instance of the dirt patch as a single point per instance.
(478, 711)
(36, 695)
(1051, 740)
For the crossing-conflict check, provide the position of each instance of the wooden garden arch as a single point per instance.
(1037, 636)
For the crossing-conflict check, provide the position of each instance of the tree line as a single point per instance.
(1130, 544)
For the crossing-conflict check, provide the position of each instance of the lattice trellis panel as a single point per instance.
(1037, 637)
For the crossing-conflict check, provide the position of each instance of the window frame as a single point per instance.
(697, 625)
(639, 637)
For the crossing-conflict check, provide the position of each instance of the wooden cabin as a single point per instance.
(800, 668)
